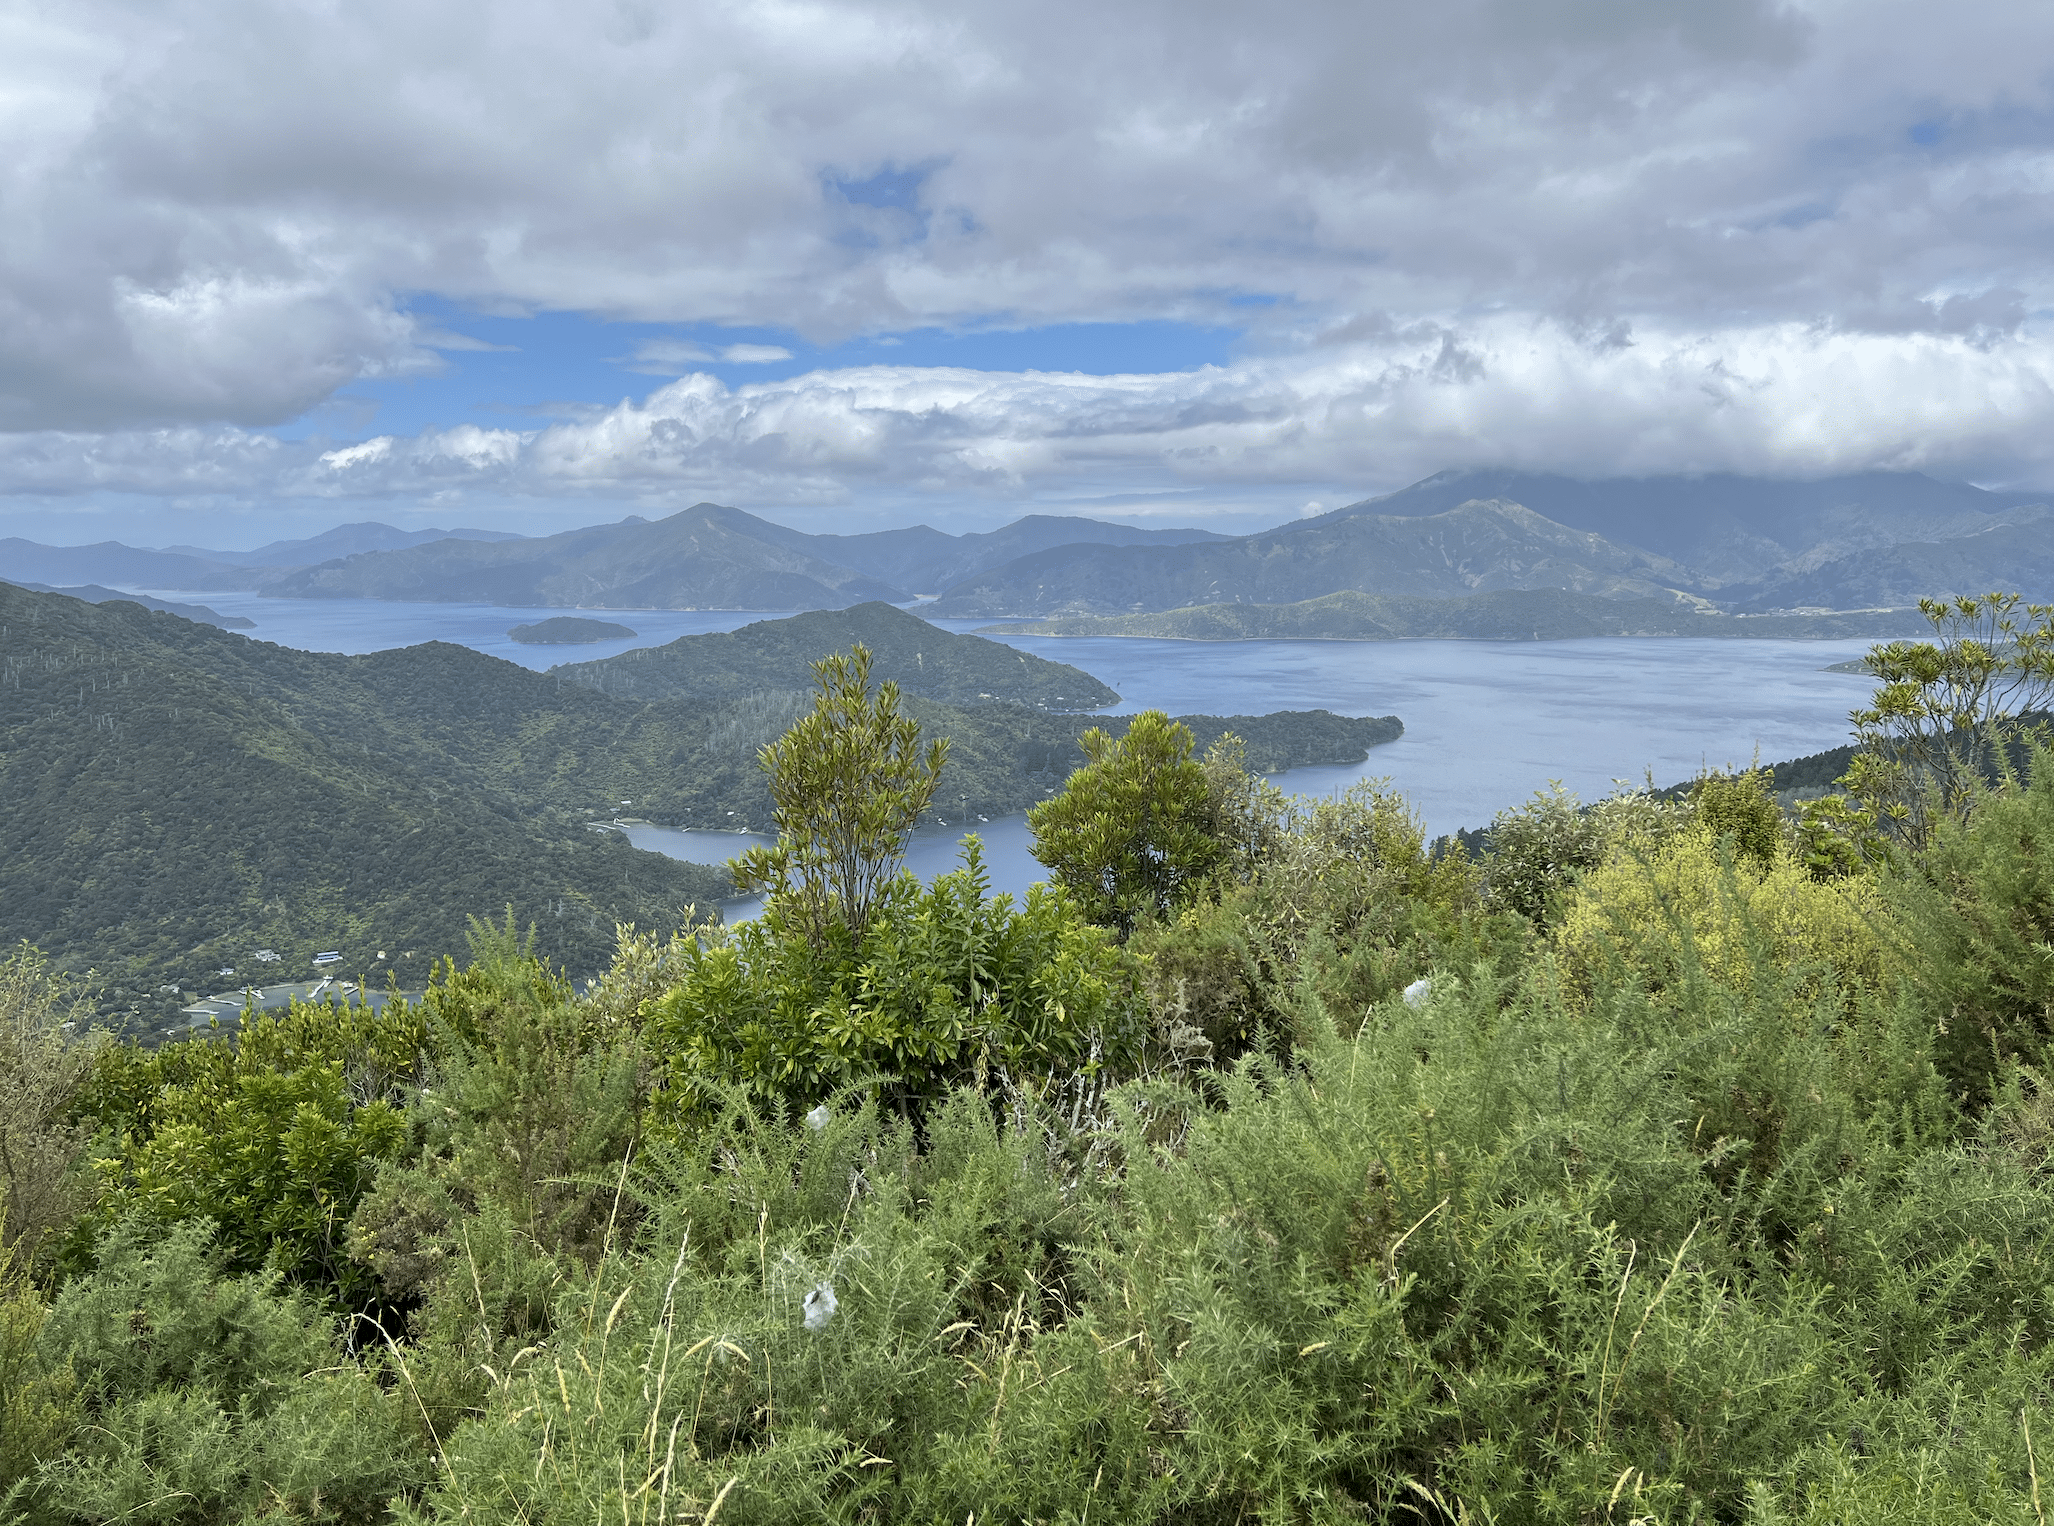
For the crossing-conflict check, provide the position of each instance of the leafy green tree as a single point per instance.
(1946, 710)
(1131, 835)
(274, 1133)
(848, 781)
(947, 981)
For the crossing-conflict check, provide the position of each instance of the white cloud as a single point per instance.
(666, 357)
(1604, 233)
(674, 357)
(1343, 420)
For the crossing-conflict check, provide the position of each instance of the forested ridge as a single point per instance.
(1508, 614)
(921, 659)
(1679, 1159)
(174, 798)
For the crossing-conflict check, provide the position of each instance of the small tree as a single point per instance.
(848, 782)
(1130, 835)
(1945, 711)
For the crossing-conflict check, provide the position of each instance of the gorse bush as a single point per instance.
(1977, 922)
(212, 1397)
(41, 1070)
(1691, 901)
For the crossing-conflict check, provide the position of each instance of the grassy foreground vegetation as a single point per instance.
(1677, 1160)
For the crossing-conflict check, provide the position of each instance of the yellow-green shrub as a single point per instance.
(1654, 897)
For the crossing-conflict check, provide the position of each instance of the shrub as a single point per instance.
(1343, 897)
(945, 984)
(1978, 920)
(45, 1056)
(1657, 907)
(273, 1133)
(214, 1397)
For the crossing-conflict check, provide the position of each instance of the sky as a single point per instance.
(272, 265)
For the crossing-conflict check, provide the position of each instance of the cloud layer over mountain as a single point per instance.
(1596, 235)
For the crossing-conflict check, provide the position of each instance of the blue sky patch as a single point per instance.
(528, 370)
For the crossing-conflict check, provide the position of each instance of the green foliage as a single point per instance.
(945, 983)
(849, 781)
(922, 659)
(39, 1408)
(273, 1134)
(1130, 836)
(1690, 903)
(1945, 709)
(45, 1052)
(531, 1099)
(1337, 897)
(1538, 847)
(213, 1398)
(1978, 920)
(1740, 808)
(1712, 1256)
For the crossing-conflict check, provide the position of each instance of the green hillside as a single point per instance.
(922, 659)
(1513, 614)
(174, 797)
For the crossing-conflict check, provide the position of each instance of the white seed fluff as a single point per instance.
(820, 1306)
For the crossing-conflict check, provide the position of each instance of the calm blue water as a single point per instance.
(1486, 723)
(373, 625)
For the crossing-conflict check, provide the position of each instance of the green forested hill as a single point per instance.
(174, 797)
(922, 659)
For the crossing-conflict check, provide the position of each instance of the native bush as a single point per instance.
(273, 1132)
(945, 983)
(1341, 896)
(1539, 847)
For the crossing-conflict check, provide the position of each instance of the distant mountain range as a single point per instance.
(1472, 548)
(1724, 528)
(343, 540)
(93, 593)
(704, 557)
(1878, 539)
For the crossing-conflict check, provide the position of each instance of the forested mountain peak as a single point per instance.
(921, 658)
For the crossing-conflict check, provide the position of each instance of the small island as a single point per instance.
(568, 630)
